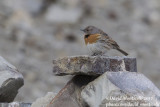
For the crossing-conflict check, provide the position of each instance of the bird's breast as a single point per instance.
(91, 39)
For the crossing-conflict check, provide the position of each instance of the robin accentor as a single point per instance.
(98, 42)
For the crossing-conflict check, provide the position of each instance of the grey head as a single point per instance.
(92, 30)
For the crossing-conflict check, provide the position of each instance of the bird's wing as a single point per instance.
(109, 41)
(113, 43)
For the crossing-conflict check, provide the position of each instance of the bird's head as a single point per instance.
(91, 30)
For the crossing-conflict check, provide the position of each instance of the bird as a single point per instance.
(98, 42)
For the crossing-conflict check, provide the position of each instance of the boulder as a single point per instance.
(10, 81)
(121, 89)
(70, 95)
(44, 101)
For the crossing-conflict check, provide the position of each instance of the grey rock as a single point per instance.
(70, 95)
(44, 101)
(92, 65)
(10, 81)
(121, 88)
(15, 104)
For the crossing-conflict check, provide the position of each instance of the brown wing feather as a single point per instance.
(113, 43)
(110, 41)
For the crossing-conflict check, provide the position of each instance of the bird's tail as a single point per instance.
(123, 52)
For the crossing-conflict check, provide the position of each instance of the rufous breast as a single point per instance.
(90, 39)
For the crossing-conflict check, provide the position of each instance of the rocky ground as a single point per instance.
(34, 32)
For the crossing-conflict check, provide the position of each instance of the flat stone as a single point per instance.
(10, 81)
(70, 95)
(121, 89)
(92, 65)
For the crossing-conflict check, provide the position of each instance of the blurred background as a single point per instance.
(34, 32)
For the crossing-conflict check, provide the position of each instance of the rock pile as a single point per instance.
(102, 81)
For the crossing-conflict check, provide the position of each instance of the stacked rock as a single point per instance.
(103, 81)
